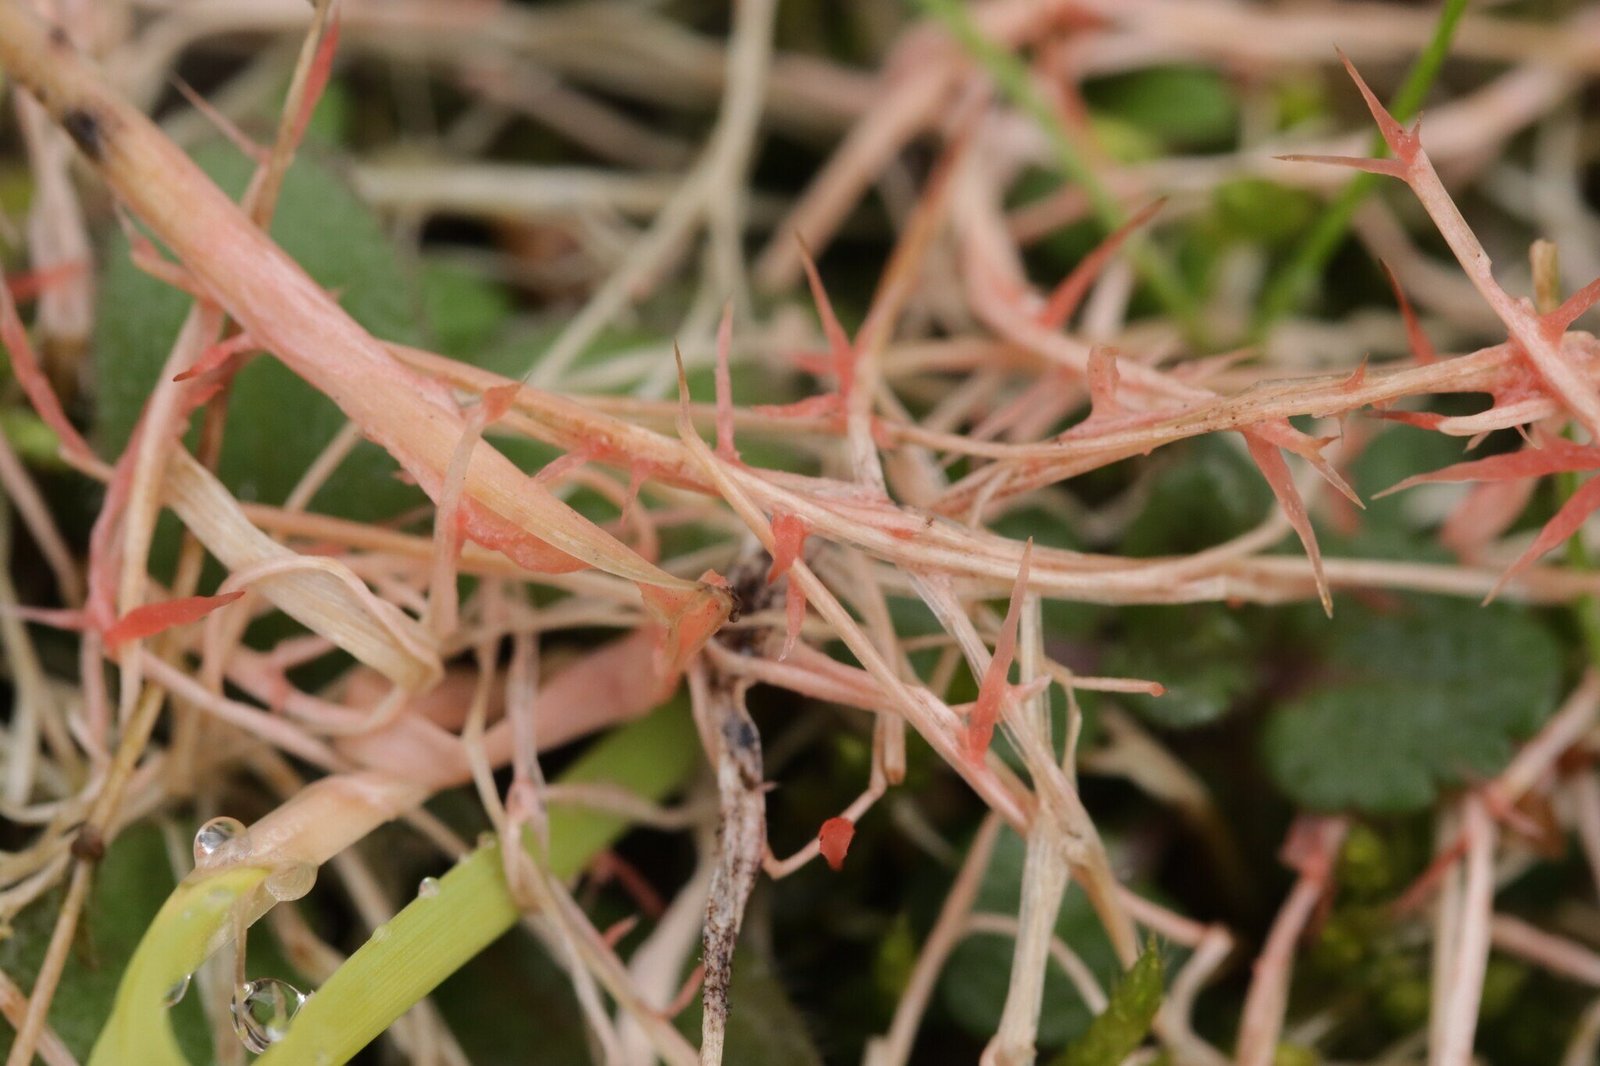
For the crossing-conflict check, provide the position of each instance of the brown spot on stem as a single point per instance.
(89, 845)
(85, 130)
(59, 38)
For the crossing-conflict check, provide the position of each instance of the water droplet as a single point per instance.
(291, 881)
(214, 836)
(262, 1011)
(175, 994)
(380, 934)
(429, 888)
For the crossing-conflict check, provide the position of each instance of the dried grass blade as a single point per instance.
(373, 631)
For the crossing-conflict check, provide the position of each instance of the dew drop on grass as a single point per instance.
(175, 994)
(262, 1011)
(214, 836)
(429, 888)
(291, 881)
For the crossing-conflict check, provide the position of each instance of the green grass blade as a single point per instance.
(1123, 1025)
(1294, 282)
(1011, 75)
(422, 945)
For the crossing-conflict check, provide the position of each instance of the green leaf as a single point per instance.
(130, 885)
(1123, 1025)
(465, 311)
(1412, 701)
(514, 969)
(1255, 209)
(1202, 653)
(1210, 493)
(1182, 106)
(973, 986)
(277, 424)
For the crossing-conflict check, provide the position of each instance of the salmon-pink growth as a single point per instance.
(317, 78)
(498, 400)
(28, 284)
(613, 934)
(1420, 419)
(789, 534)
(1389, 168)
(1550, 456)
(810, 407)
(844, 356)
(69, 618)
(817, 363)
(1556, 322)
(1309, 448)
(154, 618)
(143, 253)
(222, 123)
(483, 526)
(724, 383)
(1357, 378)
(688, 617)
(1104, 380)
(1069, 294)
(1402, 142)
(1486, 513)
(1273, 467)
(833, 840)
(992, 690)
(560, 467)
(637, 473)
(217, 355)
(794, 616)
(1422, 349)
(1565, 523)
(35, 385)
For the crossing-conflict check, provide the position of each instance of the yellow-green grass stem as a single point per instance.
(426, 942)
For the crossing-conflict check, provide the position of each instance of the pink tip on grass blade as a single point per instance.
(991, 692)
(1389, 168)
(1069, 294)
(839, 346)
(794, 616)
(1556, 322)
(1271, 463)
(317, 78)
(833, 840)
(789, 534)
(1402, 142)
(559, 467)
(1104, 381)
(155, 618)
(215, 356)
(1550, 456)
(1422, 349)
(1566, 522)
(222, 123)
(35, 385)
